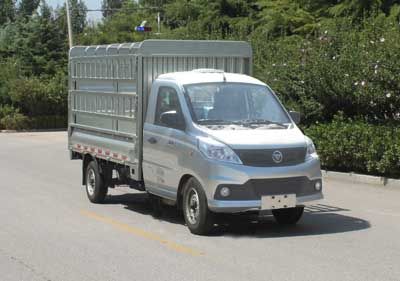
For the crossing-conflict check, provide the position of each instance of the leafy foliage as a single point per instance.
(109, 7)
(356, 146)
(33, 60)
(26, 8)
(7, 11)
(285, 17)
(78, 14)
(37, 97)
(347, 68)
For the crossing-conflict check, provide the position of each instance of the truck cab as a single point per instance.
(232, 142)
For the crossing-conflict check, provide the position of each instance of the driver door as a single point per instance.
(162, 146)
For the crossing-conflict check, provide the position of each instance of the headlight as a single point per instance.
(311, 152)
(213, 149)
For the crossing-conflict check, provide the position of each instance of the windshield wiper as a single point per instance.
(244, 122)
(261, 121)
(216, 122)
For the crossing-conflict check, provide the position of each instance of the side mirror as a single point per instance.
(295, 116)
(172, 119)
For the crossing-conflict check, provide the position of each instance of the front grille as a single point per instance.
(296, 185)
(263, 157)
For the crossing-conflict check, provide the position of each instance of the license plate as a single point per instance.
(278, 201)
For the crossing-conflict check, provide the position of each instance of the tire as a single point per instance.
(198, 218)
(96, 190)
(288, 216)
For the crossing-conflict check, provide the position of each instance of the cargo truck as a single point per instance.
(186, 122)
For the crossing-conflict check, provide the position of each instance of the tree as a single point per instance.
(180, 12)
(286, 17)
(108, 7)
(361, 8)
(27, 7)
(319, 8)
(37, 43)
(155, 3)
(78, 15)
(225, 19)
(7, 11)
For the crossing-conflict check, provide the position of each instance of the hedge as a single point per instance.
(18, 121)
(356, 146)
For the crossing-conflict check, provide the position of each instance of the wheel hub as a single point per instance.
(91, 182)
(193, 206)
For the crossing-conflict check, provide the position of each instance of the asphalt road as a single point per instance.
(50, 231)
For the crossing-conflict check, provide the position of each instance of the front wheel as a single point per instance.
(195, 209)
(96, 190)
(288, 216)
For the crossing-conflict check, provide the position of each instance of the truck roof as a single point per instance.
(156, 47)
(198, 76)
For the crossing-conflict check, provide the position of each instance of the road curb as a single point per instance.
(359, 178)
(32, 131)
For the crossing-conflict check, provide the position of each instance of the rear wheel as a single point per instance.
(96, 190)
(195, 209)
(288, 216)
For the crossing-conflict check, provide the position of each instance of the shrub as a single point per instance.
(15, 121)
(356, 146)
(12, 119)
(49, 122)
(6, 110)
(8, 72)
(40, 96)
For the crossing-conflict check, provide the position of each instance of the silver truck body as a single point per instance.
(124, 100)
(109, 87)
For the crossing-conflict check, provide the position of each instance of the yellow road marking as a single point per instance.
(142, 233)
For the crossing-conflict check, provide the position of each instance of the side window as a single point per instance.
(168, 109)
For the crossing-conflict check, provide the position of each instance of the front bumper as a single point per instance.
(285, 180)
(226, 206)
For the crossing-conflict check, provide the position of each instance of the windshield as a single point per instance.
(219, 103)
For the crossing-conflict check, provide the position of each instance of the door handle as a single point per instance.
(152, 140)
